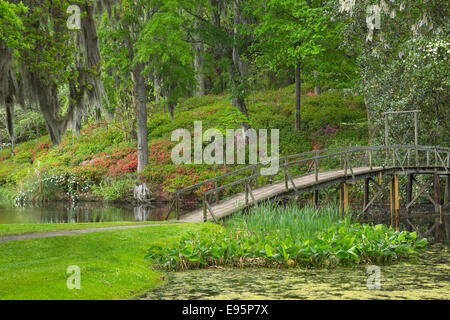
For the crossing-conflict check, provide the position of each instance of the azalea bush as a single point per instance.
(271, 237)
(101, 153)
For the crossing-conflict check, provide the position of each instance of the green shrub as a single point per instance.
(268, 109)
(45, 187)
(114, 189)
(7, 194)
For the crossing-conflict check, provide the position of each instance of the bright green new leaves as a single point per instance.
(11, 25)
(150, 32)
(162, 47)
(288, 31)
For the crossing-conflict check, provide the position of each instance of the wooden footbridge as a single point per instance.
(378, 166)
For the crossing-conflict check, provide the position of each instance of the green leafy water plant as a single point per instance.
(259, 240)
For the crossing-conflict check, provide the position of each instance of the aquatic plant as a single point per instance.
(290, 238)
(288, 221)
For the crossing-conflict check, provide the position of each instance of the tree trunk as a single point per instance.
(199, 70)
(141, 193)
(141, 98)
(10, 121)
(316, 79)
(236, 100)
(48, 105)
(157, 87)
(198, 59)
(171, 107)
(237, 67)
(298, 95)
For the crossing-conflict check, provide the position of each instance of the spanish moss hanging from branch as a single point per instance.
(51, 60)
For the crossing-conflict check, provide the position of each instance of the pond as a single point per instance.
(424, 277)
(61, 212)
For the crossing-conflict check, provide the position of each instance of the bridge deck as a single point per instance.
(237, 202)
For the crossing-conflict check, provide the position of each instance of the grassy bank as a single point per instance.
(112, 263)
(18, 229)
(101, 163)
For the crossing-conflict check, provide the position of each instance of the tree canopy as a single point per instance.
(75, 60)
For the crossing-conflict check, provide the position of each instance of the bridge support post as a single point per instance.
(395, 204)
(446, 202)
(286, 176)
(437, 206)
(343, 199)
(177, 206)
(409, 191)
(316, 198)
(246, 192)
(447, 191)
(217, 193)
(205, 213)
(366, 191)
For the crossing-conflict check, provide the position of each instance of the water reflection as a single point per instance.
(421, 219)
(84, 212)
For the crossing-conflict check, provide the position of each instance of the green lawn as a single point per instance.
(112, 263)
(17, 229)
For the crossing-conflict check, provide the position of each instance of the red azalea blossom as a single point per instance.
(311, 94)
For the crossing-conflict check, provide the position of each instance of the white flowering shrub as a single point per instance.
(403, 65)
(41, 189)
(4, 145)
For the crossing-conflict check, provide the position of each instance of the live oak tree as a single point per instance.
(11, 40)
(198, 49)
(43, 58)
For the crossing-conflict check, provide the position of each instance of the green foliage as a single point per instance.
(162, 47)
(332, 108)
(416, 79)
(287, 222)
(114, 189)
(289, 31)
(41, 188)
(96, 153)
(11, 26)
(287, 237)
(28, 125)
(7, 194)
(403, 66)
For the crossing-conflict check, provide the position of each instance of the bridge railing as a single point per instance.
(347, 158)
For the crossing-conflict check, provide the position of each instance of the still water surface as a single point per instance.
(425, 277)
(60, 212)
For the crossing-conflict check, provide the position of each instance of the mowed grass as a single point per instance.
(112, 263)
(18, 229)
